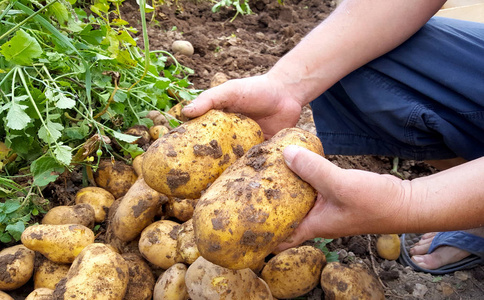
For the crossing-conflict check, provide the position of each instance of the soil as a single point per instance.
(250, 45)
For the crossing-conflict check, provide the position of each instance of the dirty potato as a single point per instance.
(186, 246)
(5, 296)
(181, 209)
(41, 294)
(158, 243)
(115, 177)
(48, 273)
(255, 204)
(141, 279)
(171, 284)
(16, 267)
(185, 161)
(82, 214)
(99, 198)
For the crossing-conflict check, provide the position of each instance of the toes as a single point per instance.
(420, 248)
(440, 257)
(429, 235)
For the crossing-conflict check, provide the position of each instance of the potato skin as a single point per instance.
(158, 243)
(5, 296)
(48, 273)
(59, 243)
(185, 161)
(141, 279)
(294, 272)
(97, 273)
(82, 214)
(171, 284)
(255, 204)
(186, 246)
(16, 267)
(181, 209)
(99, 198)
(41, 294)
(116, 178)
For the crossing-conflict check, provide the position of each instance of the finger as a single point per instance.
(300, 235)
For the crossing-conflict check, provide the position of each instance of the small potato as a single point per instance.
(41, 294)
(152, 114)
(99, 198)
(186, 246)
(205, 280)
(176, 111)
(136, 210)
(97, 273)
(189, 158)
(218, 79)
(5, 296)
(171, 284)
(294, 272)
(6, 155)
(141, 279)
(161, 120)
(116, 178)
(388, 246)
(158, 243)
(82, 214)
(59, 243)
(142, 132)
(157, 131)
(182, 47)
(16, 267)
(181, 209)
(341, 282)
(48, 273)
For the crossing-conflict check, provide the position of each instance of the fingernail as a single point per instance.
(417, 258)
(190, 106)
(289, 153)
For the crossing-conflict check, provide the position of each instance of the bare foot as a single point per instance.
(442, 256)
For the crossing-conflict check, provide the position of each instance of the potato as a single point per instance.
(99, 198)
(158, 131)
(186, 246)
(141, 279)
(205, 280)
(185, 161)
(48, 273)
(182, 47)
(5, 296)
(218, 79)
(59, 243)
(142, 132)
(16, 267)
(97, 273)
(6, 155)
(161, 120)
(182, 209)
(255, 204)
(41, 294)
(176, 110)
(158, 243)
(341, 282)
(152, 114)
(136, 210)
(171, 284)
(82, 214)
(138, 164)
(115, 177)
(294, 272)
(388, 246)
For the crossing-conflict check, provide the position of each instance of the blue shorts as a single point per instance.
(423, 100)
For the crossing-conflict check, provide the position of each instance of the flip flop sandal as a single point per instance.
(459, 239)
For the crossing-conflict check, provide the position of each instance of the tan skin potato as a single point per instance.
(16, 267)
(171, 284)
(158, 243)
(5, 296)
(59, 243)
(41, 294)
(48, 273)
(388, 246)
(141, 279)
(82, 214)
(341, 282)
(97, 273)
(142, 132)
(157, 131)
(99, 198)
(181, 209)
(136, 210)
(152, 114)
(255, 205)
(205, 280)
(294, 272)
(116, 178)
(137, 165)
(186, 246)
(176, 111)
(185, 161)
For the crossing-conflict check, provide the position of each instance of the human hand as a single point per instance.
(261, 98)
(349, 202)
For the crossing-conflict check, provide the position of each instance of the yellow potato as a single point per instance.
(82, 214)
(59, 243)
(99, 198)
(176, 110)
(116, 178)
(158, 243)
(142, 132)
(205, 280)
(16, 267)
(188, 159)
(137, 164)
(181, 209)
(255, 204)
(141, 279)
(97, 273)
(186, 246)
(48, 273)
(171, 284)
(294, 272)
(341, 282)
(157, 131)
(5, 296)
(41, 294)
(388, 246)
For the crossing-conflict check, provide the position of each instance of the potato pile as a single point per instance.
(201, 211)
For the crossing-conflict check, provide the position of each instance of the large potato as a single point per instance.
(255, 204)
(82, 214)
(16, 267)
(48, 273)
(185, 161)
(341, 282)
(141, 279)
(158, 243)
(115, 177)
(136, 210)
(171, 284)
(59, 243)
(99, 198)
(205, 280)
(97, 273)
(294, 272)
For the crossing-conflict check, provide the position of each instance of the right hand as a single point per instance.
(260, 98)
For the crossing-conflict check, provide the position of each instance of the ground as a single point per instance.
(250, 45)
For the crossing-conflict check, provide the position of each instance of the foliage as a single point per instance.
(241, 7)
(321, 243)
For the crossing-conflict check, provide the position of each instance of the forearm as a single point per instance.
(355, 33)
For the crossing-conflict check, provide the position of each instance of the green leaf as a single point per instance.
(21, 49)
(332, 256)
(17, 118)
(64, 102)
(51, 132)
(63, 153)
(60, 12)
(77, 132)
(125, 137)
(15, 230)
(45, 170)
(10, 206)
(5, 238)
